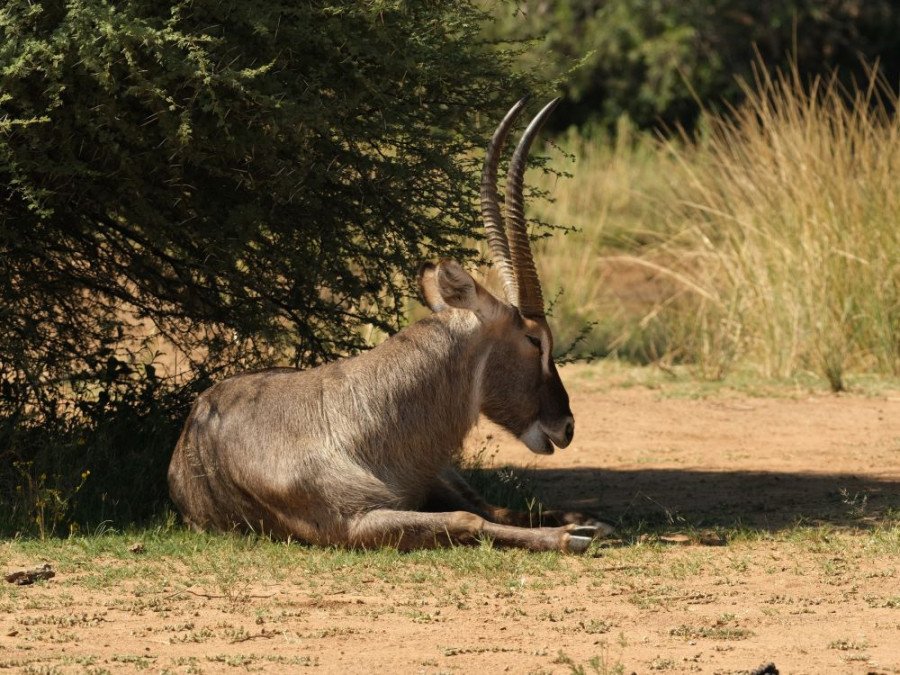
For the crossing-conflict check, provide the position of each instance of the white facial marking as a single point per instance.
(545, 352)
(536, 440)
(475, 408)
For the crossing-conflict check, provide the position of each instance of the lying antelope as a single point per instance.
(358, 452)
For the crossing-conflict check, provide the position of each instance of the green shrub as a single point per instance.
(195, 188)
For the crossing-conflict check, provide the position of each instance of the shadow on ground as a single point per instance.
(668, 497)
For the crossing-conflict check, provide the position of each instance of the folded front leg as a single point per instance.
(452, 493)
(408, 530)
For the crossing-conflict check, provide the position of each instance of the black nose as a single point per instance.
(570, 431)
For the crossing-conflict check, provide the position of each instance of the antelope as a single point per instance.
(358, 452)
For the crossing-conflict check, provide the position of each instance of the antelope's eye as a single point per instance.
(536, 341)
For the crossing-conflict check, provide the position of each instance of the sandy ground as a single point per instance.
(816, 592)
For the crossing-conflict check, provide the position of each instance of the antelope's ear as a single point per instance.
(428, 286)
(458, 289)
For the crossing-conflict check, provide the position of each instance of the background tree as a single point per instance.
(658, 61)
(251, 180)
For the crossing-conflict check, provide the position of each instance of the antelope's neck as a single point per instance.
(428, 378)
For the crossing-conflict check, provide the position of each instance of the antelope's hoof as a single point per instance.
(579, 538)
(603, 529)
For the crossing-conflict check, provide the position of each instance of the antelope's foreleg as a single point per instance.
(408, 530)
(453, 492)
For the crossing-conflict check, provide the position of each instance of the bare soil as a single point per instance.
(757, 536)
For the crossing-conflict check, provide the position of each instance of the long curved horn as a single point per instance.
(531, 299)
(490, 205)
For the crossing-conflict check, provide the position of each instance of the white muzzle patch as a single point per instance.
(536, 440)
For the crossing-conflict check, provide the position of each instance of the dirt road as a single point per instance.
(757, 530)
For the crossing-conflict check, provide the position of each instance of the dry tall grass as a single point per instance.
(614, 198)
(779, 231)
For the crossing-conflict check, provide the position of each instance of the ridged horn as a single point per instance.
(490, 205)
(531, 299)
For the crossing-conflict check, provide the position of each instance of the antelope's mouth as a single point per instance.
(537, 440)
(542, 440)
